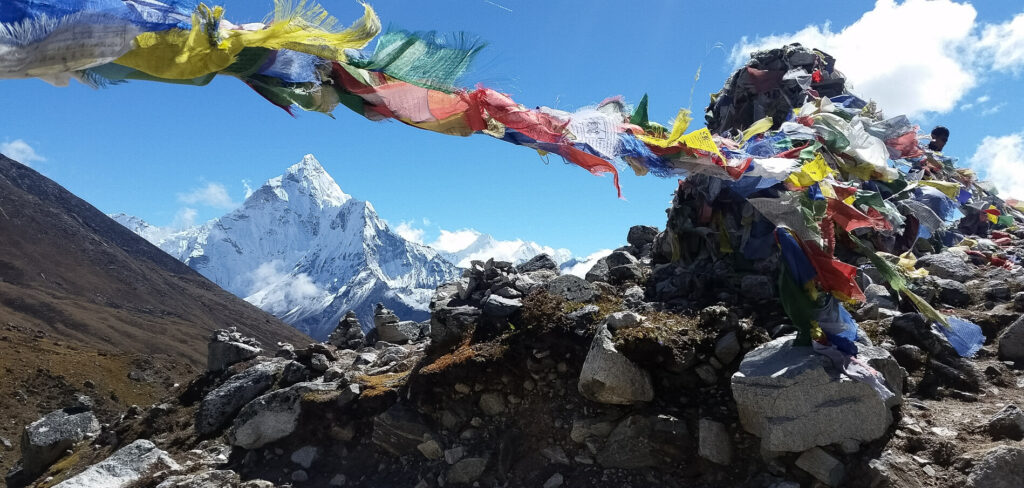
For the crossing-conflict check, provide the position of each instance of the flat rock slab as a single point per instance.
(45, 440)
(221, 404)
(572, 288)
(794, 399)
(124, 467)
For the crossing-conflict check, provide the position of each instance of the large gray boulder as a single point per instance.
(1002, 467)
(599, 271)
(496, 306)
(45, 440)
(572, 288)
(273, 416)
(227, 347)
(795, 399)
(951, 265)
(610, 377)
(537, 263)
(221, 404)
(123, 468)
(398, 332)
(1011, 341)
(641, 235)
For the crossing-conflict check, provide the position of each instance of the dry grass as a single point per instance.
(373, 386)
(663, 327)
(460, 355)
(542, 310)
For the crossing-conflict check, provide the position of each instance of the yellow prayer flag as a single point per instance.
(701, 139)
(950, 188)
(810, 173)
(758, 127)
(679, 125)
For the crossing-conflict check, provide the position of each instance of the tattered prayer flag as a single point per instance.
(810, 173)
(950, 188)
(701, 139)
(758, 127)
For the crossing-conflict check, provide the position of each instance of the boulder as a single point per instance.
(641, 235)
(221, 404)
(46, 440)
(822, 466)
(727, 347)
(273, 416)
(400, 430)
(879, 295)
(123, 468)
(610, 377)
(599, 271)
(757, 287)
(626, 273)
(537, 263)
(795, 399)
(1002, 467)
(1007, 424)
(952, 292)
(951, 265)
(1011, 341)
(227, 347)
(620, 258)
(467, 470)
(714, 442)
(349, 333)
(492, 403)
(305, 456)
(572, 288)
(496, 306)
(448, 325)
(399, 332)
(640, 441)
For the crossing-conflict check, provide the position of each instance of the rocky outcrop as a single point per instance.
(227, 347)
(221, 404)
(126, 466)
(794, 399)
(1002, 467)
(610, 377)
(47, 439)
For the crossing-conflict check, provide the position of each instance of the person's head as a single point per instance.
(940, 135)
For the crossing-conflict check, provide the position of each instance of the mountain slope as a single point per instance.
(68, 269)
(305, 251)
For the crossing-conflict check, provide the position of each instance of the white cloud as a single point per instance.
(21, 151)
(211, 195)
(1001, 161)
(982, 99)
(1004, 44)
(409, 233)
(581, 268)
(184, 218)
(275, 289)
(993, 109)
(455, 241)
(247, 185)
(912, 57)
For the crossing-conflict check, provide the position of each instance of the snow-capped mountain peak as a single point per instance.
(308, 180)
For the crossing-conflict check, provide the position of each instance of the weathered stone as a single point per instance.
(629, 446)
(714, 442)
(626, 273)
(727, 347)
(555, 454)
(952, 292)
(822, 466)
(620, 258)
(1002, 467)
(221, 404)
(791, 397)
(400, 430)
(757, 287)
(123, 468)
(467, 470)
(583, 429)
(599, 271)
(641, 235)
(431, 449)
(305, 456)
(399, 332)
(949, 265)
(624, 320)
(448, 325)
(273, 416)
(1007, 424)
(492, 403)
(45, 440)
(496, 306)
(910, 357)
(1011, 341)
(319, 362)
(572, 288)
(879, 295)
(610, 377)
(300, 475)
(554, 481)
(224, 353)
(537, 263)
(208, 479)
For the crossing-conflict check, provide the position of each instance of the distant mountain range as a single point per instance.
(68, 269)
(305, 251)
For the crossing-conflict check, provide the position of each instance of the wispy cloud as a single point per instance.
(211, 195)
(21, 151)
(993, 109)
(275, 289)
(409, 232)
(1001, 161)
(247, 186)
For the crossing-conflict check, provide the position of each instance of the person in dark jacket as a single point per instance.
(940, 135)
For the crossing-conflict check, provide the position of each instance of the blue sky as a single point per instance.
(155, 150)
